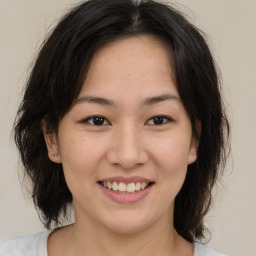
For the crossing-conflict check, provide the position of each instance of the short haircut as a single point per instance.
(58, 75)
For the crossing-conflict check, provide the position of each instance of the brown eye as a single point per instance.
(158, 120)
(96, 120)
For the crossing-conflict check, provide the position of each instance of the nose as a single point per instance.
(127, 149)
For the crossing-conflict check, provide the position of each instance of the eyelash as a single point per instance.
(87, 120)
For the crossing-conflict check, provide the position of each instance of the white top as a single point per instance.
(36, 245)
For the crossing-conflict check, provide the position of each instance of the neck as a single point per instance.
(158, 239)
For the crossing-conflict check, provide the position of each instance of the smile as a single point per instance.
(125, 188)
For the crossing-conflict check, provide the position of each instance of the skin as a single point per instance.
(129, 143)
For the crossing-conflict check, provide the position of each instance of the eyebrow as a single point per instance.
(160, 98)
(145, 102)
(97, 100)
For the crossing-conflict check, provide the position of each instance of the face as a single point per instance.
(126, 143)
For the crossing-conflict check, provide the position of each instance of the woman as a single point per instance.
(122, 117)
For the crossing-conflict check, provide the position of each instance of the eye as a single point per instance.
(96, 120)
(159, 120)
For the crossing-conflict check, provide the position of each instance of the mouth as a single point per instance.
(125, 188)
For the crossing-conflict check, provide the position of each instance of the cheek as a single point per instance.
(171, 157)
(80, 164)
(80, 157)
(78, 150)
(171, 151)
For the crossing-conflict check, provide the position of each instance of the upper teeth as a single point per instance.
(122, 187)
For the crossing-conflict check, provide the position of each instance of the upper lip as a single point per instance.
(126, 180)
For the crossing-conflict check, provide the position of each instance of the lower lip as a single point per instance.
(126, 197)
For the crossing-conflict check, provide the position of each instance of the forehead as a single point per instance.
(132, 64)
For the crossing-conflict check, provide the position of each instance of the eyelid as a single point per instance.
(169, 119)
(86, 120)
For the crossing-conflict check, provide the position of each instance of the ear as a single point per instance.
(194, 143)
(51, 141)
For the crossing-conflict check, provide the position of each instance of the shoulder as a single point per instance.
(28, 245)
(204, 250)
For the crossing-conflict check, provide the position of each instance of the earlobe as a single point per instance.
(194, 144)
(51, 143)
(192, 154)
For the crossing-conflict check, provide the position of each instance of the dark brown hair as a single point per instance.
(57, 78)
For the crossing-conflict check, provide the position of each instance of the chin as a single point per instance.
(127, 228)
(129, 223)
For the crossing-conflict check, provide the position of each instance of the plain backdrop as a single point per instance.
(231, 29)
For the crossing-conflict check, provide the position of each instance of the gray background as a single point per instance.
(231, 29)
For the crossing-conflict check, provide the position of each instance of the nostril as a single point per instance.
(128, 156)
